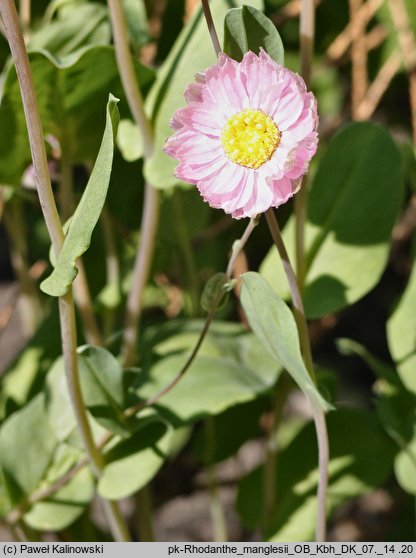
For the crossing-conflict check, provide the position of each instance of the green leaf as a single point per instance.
(18, 384)
(71, 96)
(247, 28)
(214, 291)
(353, 204)
(58, 402)
(132, 463)
(231, 368)
(102, 387)
(62, 508)
(405, 465)
(191, 53)
(130, 140)
(226, 438)
(356, 467)
(27, 446)
(275, 327)
(396, 408)
(104, 392)
(136, 19)
(88, 211)
(401, 334)
(75, 27)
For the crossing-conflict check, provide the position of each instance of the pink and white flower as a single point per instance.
(247, 134)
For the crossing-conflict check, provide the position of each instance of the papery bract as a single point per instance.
(247, 134)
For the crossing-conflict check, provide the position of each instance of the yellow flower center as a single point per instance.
(250, 138)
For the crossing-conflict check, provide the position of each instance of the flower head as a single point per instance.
(247, 134)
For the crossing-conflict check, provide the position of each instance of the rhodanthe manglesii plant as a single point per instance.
(247, 134)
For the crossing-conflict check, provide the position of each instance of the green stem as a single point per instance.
(42, 494)
(150, 216)
(317, 413)
(299, 311)
(128, 74)
(144, 508)
(187, 253)
(53, 223)
(141, 272)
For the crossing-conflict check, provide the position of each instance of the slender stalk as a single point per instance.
(150, 216)
(317, 413)
(25, 15)
(144, 509)
(299, 311)
(42, 494)
(141, 273)
(358, 56)
(53, 223)
(128, 75)
(307, 38)
(323, 452)
(30, 107)
(69, 341)
(211, 26)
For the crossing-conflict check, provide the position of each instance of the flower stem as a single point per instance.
(53, 223)
(211, 26)
(299, 311)
(15, 515)
(323, 451)
(317, 413)
(150, 216)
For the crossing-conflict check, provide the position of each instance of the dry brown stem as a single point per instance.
(358, 56)
(289, 11)
(340, 45)
(378, 87)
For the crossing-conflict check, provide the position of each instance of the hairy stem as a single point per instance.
(53, 223)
